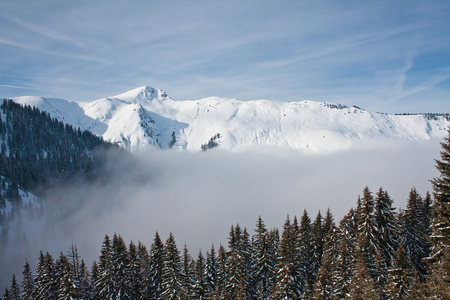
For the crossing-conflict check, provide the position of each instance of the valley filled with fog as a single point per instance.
(198, 196)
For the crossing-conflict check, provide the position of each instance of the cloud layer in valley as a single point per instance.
(198, 196)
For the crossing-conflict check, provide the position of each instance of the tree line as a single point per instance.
(374, 252)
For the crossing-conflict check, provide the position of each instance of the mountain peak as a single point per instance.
(142, 94)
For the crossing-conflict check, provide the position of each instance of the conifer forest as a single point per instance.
(375, 251)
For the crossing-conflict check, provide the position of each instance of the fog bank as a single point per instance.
(198, 196)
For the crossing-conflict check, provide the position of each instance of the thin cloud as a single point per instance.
(320, 51)
(15, 86)
(46, 32)
(52, 53)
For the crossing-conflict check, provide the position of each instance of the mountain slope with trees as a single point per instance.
(38, 150)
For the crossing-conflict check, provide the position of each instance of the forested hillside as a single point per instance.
(37, 149)
(38, 152)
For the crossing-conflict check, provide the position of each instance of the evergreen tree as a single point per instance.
(104, 285)
(199, 287)
(172, 276)
(325, 284)
(287, 286)
(14, 291)
(134, 280)
(157, 258)
(426, 215)
(66, 288)
(238, 262)
(264, 262)
(318, 235)
(143, 257)
(386, 238)
(45, 286)
(222, 273)
(27, 282)
(6, 295)
(413, 239)
(85, 283)
(211, 272)
(187, 272)
(367, 232)
(305, 264)
(77, 273)
(328, 222)
(346, 259)
(234, 276)
(387, 225)
(120, 268)
(244, 252)
(95, 275)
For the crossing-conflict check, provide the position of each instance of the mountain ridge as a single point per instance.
(146, 116)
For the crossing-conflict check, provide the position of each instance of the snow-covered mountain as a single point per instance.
(146, 117)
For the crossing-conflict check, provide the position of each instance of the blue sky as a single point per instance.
(388, 56)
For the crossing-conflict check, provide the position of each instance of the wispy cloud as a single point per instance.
(52, 53)
(45, 32)
(317, 50)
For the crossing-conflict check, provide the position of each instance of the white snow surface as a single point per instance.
(147, 117)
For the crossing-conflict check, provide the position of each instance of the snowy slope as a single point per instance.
(146, 117)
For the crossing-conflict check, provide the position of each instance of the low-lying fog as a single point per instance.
(198, 196)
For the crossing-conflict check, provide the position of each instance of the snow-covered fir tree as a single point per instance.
(287, 286)
(346, 257)
(45, 285)
(199, 282)
(14, 291)
(367, 231)
(27, 282)
(412, 236)
(134, 279)
(211, 272)
(263, 268)
(104, 285)
(157, 258)
(222, 273)
(305, 265)
(187, 272)
(172, 287)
